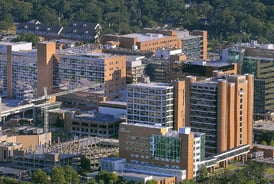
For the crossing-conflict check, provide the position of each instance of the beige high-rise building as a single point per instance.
(25, 72)
(159, 104)
(221, 107)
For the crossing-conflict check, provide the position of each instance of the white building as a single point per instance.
(151, 103)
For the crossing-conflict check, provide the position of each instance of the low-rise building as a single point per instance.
(35, 160)
(146, 41)
(263, 130)
(116, 108)
(7, 149)
(159, 147)
(94, 125)
(82, 31)
(268, 150)
(37, 28)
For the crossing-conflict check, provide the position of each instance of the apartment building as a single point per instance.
(159, 68)
(135, 69)
(258, 60)
(18, 70)
(194, 44)
(26, 73)
(222, 108)
(76, 67)
(154, 104)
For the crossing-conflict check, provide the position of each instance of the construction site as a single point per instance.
(37, 150)
(65, 153)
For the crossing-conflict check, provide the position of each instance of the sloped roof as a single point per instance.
(80, 28)
(38, 27)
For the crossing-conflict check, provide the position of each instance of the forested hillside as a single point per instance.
(232, 20)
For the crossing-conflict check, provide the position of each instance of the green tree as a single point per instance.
(48, 16)
(70, 175)
(272, 143)
(91, 181)
(84, 163)
(9, 180)
(21, 10)
(187, 182)
(107, 177)
(151, 182)
(40, 176)
(202, 174)
(27, 37)
(6, 21)
(264, 142)
(58, 175)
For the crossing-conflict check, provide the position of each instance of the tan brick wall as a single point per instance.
(222, 112)
(33, 142)
(115, 74)
(45, 53)
(179, 105)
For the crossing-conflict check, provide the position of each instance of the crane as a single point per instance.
(47, 97)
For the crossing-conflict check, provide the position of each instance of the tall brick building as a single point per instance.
(221, 107)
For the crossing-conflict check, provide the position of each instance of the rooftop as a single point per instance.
(145, 37)
(145, 125)
(113, 104)
(82, 28)
(113, 159)
(152, 84)
(84, 51)
(104, 118)
(264, 125)
(38, 27)
(215, 63)
(134, 58)
(7, 144)
(8, 170)
(184, 34)
(9, 104)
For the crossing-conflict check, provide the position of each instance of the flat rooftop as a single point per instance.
(216, 63)
(84, 52)
(140, 175)
(152, 84)
(264, 146)
(104, 118)
(143, 37)
(134, 58)
(113, 159)
(264, 125)
(9, 104)
(146, 125)
(8, 170)
(113, 104)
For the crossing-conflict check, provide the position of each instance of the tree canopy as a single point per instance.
(27, 37)
(232, 20)
(63, 175)
(40, 176)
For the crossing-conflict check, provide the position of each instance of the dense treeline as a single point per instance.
(231, 20)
